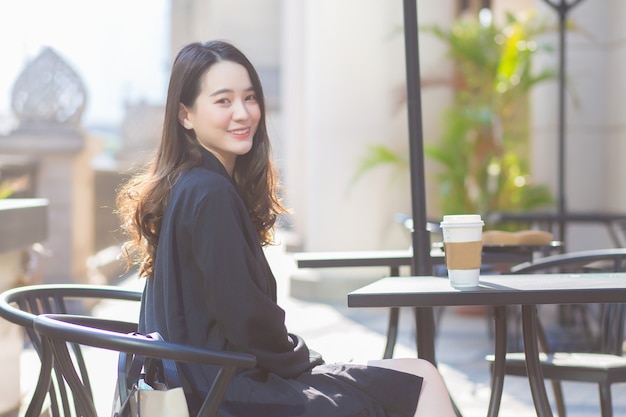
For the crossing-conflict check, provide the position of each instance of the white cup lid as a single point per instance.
(457, 220)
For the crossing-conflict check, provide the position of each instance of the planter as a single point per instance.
(23, 222)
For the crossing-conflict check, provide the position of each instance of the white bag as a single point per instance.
(142, 387)
(147, 401)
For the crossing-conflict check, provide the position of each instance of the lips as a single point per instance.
(240, 132)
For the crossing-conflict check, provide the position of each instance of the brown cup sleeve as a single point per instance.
(463, 255)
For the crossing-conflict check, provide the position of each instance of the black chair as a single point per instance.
(21, 305)
(602, 362)
(57, 330)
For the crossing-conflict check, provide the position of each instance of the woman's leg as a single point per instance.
(434, 399)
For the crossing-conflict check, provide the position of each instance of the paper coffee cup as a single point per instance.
(462, 241)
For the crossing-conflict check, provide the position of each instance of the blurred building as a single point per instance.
(55, 152)
(338, 67)
(332, 71)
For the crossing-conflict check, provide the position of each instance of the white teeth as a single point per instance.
(239, 132)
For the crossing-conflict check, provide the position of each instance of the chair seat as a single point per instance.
(586, 367)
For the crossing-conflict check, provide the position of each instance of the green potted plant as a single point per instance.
(482, 154)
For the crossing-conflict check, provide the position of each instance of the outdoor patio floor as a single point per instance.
(343, 334)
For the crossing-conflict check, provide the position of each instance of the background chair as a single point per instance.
(56, 330)
(602, 361)
(21, 305)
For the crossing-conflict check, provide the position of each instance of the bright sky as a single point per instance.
(118, 47)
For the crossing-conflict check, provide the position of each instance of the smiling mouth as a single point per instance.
(239, 132)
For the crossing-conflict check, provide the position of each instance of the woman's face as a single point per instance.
(225, 114)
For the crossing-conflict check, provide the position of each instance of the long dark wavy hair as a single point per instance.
(142, 200)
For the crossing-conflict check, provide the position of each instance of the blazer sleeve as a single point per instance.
(237, 289)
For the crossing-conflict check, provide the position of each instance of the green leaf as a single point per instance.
(378, 155)
(482, 154)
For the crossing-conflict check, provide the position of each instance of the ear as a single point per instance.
(183, 117)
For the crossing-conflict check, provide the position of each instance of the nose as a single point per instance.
(240, 112)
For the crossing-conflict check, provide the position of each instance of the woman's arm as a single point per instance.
(239, 287)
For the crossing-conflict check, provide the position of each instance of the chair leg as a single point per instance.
(558, 398)
(606, 403)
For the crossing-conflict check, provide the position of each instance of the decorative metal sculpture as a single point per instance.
(48, 91)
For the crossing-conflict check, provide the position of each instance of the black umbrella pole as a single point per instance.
(421, 239)
(562, 205)
(421, 263)
(562, 8)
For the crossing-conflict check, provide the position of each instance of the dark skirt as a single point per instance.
(331, 390)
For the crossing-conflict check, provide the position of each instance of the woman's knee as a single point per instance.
(425, 367)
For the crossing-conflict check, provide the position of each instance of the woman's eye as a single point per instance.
(251, 97)
(223, 101)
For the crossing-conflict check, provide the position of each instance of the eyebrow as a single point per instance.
(228, 90)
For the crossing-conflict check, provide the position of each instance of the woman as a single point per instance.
(198, 218)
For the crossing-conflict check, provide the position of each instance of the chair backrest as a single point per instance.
(597, 260)
(59, 329)
(21, 305)
(612, 316)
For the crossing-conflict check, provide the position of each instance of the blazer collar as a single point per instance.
(210, 162)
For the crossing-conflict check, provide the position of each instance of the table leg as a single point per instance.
(392, 332)
(533, 365)
(497, 377)
(425, 333)
(425, 340)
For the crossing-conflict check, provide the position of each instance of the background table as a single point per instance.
(395, 259)
(499, 291)
(613, 222)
